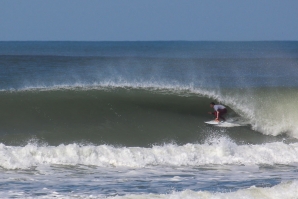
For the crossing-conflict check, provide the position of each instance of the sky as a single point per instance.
(148, 20)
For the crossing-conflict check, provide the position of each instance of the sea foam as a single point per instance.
(217, 151)
(286, 190)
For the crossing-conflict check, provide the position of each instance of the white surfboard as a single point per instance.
(222, 124)
(212, 122)
(227, 124)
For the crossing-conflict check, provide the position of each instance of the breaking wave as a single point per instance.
(220, 151)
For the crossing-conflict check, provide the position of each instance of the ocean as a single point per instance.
(123, 120)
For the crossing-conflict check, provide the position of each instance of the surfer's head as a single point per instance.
(212, 104)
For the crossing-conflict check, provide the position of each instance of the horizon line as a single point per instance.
(148, 40)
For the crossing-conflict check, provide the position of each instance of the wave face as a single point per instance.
(142, 116)
(137, 116)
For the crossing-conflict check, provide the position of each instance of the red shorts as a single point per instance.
(220, 112)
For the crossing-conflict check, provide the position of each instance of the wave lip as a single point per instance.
(218, 152)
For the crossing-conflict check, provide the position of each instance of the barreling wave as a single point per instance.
(109, 110)
(220, 151)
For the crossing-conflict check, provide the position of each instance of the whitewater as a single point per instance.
(126, 120)
(218, 151)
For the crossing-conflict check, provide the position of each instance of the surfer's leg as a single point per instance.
(222, 112)
(221, 117)
(215, 114)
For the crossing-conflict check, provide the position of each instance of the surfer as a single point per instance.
(219, 110)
